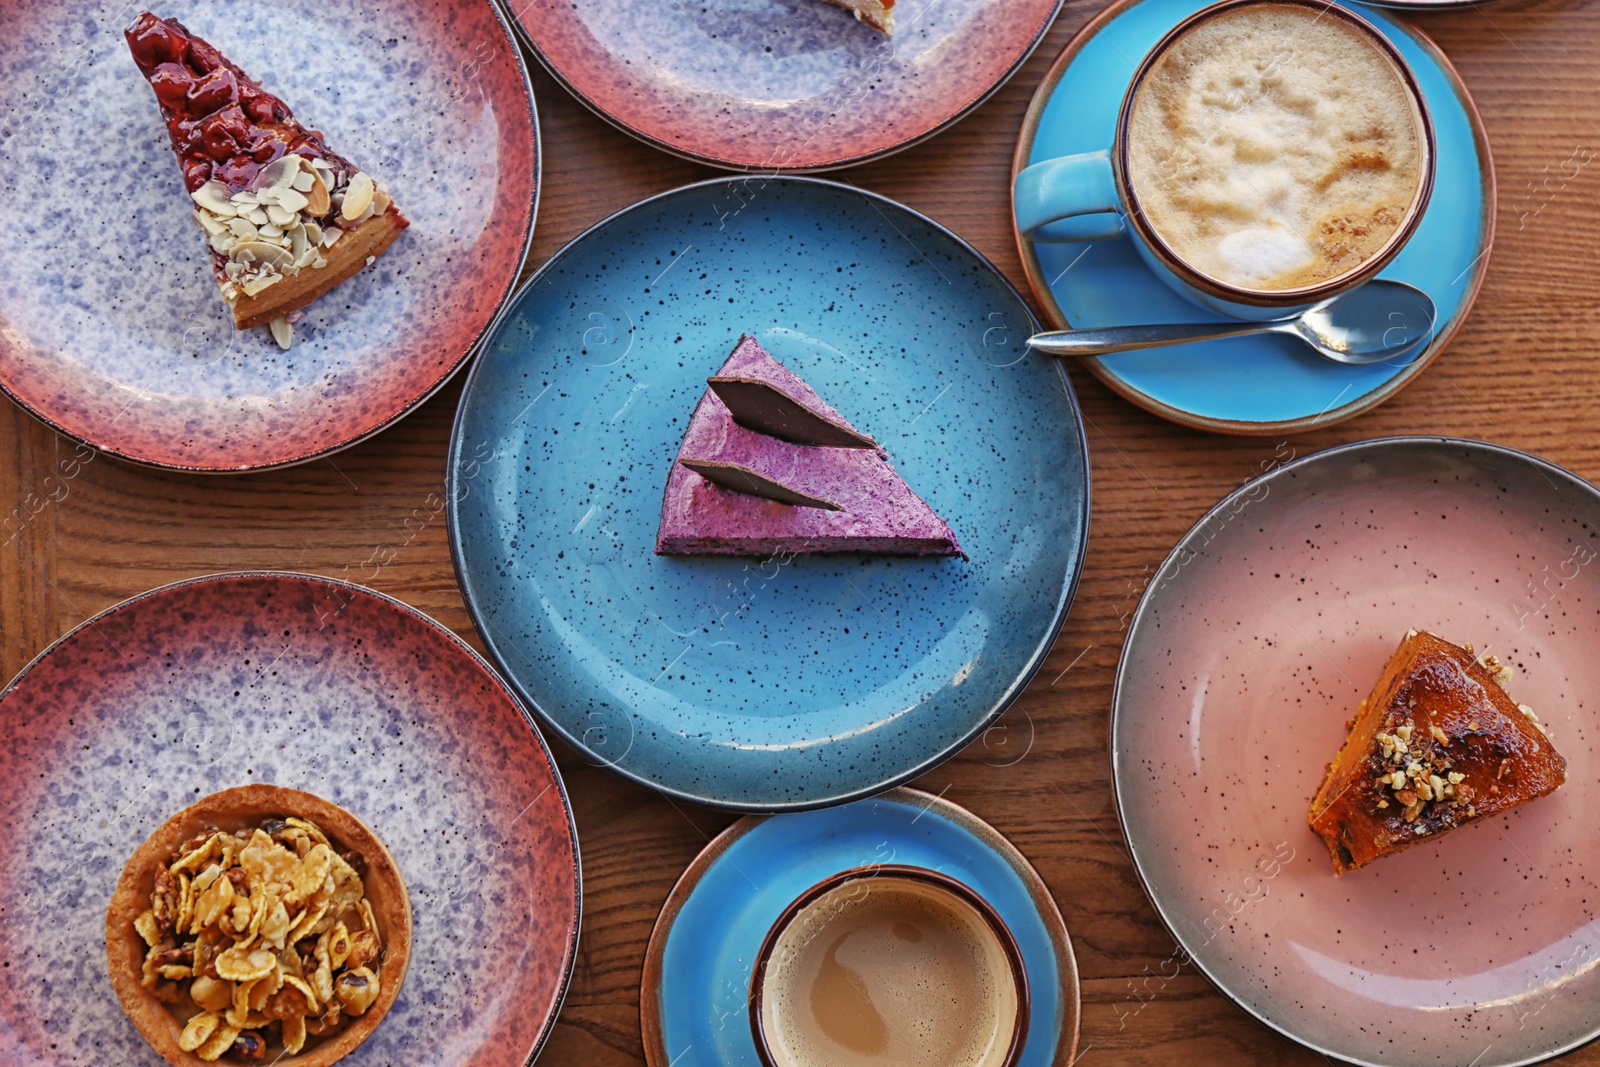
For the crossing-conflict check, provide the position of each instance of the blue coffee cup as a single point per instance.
(1088, 197)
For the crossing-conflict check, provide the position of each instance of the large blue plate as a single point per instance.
(692, 1001)
(741, 683)
(1262, 384)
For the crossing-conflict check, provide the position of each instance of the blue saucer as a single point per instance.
(1262, 384)
(692, 1003)
(737, 682)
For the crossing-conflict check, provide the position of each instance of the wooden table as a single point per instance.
(1521, 373)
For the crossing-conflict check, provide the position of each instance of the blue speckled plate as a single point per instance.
(692, 1003)
(1261, 384)
(741, 683)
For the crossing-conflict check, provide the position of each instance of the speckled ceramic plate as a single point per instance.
(1265, 384)
(692, 1004)
(781, 85)
(781, 683)
(1268, 623)
(111, 327)
(302, 682)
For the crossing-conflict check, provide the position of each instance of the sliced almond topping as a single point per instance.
(282, 332)
(290, 200)
(318, 202)
(253, 287)
(357, 197)
(213, 196)
(262, 252)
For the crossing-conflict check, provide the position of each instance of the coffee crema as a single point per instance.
(888, 971)
(1274, 147)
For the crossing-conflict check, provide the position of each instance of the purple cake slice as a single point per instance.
(767, 495)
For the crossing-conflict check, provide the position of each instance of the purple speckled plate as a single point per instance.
(781, 85)
(111, 327)
(1253, 645)
(303, 682)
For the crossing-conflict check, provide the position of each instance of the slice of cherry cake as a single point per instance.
(286, 217)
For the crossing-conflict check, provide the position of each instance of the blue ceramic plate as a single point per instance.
(692, 1004)
(1261, 384)
(737, 682)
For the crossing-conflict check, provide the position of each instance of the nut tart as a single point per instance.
(879, 14)
(286, 218)
(1439, 743)
(259, 925)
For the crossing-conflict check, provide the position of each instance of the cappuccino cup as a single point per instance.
(1268, 156)
(889, 965)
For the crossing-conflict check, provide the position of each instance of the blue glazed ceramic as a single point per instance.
(1262, 384)
(737, 682)
(693, 1006)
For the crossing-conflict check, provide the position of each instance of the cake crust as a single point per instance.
(879, 14)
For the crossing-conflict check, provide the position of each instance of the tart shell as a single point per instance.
(228, 810)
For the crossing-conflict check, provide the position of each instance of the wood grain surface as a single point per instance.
(1522, 372)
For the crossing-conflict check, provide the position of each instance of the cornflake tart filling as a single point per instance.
(286, 217)
(262, 938)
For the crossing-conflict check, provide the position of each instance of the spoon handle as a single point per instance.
(1123, 338)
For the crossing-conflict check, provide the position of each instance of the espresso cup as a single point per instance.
(1269, 155)
(889, 965)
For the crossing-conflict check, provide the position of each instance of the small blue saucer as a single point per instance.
(1261, 384)
(692, 1004)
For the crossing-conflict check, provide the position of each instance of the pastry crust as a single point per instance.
(228, 810)
(879, 14)
(345, 258)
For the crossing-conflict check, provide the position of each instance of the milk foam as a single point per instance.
(1272, 147)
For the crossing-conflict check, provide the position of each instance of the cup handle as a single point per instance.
(1071, 198)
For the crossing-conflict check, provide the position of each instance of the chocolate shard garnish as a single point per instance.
(742, 479)
(762, 407)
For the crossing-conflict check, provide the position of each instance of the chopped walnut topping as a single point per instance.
(1497, 670)
(1439, 735)
(1531, 717)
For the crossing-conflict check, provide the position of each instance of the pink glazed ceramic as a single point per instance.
(1253, 644)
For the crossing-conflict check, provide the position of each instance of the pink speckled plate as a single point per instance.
(303, 682)
(111, 327)
(781, 85)
(1269, 622)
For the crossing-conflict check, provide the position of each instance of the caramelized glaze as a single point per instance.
(1501, 753)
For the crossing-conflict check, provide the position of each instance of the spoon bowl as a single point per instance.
(1373, 322)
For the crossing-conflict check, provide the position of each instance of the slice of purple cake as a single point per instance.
(749, 482)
